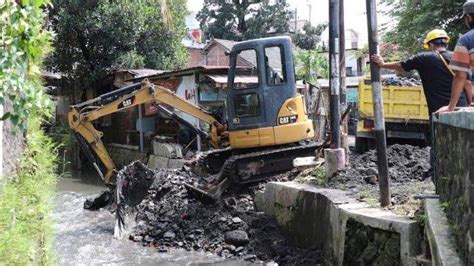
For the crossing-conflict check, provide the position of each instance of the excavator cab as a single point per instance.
(264, 108)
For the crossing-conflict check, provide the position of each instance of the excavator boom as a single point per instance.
(82, 115)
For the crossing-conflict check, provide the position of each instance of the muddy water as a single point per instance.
(86, 238)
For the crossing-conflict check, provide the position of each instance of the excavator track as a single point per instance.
(257, 166)
(212, 161)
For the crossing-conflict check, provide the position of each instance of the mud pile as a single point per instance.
(408, 166)
(405, 163)
(170, 217)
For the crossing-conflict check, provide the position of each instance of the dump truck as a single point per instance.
(405, 111)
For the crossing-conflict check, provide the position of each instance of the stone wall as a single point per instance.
(12, 145)
(123, 155)
(370, 246)
(454, 171)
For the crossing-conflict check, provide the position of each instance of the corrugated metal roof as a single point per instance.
(182, 72)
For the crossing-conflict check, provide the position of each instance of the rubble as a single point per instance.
(170, 217)
(402, 81)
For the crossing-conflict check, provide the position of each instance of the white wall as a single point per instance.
(187, 89)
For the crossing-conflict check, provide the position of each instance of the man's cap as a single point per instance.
(468, 7)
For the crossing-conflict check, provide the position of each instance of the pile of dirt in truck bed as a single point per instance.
(409, 171)
(170, 217)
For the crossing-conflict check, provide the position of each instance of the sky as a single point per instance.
(355, 16)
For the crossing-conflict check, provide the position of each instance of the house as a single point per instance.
(193, 40)
(355, 59)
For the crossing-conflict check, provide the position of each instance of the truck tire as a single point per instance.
(361, 145)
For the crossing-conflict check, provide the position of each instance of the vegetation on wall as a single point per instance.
(23, 42)
(26, 194)
(96, 36)
(25, 202)
(243, 20)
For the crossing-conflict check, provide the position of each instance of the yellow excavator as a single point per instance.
(265, 128)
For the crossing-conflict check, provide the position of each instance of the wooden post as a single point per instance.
(334, 73)
(140, 126)
(381, 142)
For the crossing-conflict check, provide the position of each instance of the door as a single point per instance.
(245, 97)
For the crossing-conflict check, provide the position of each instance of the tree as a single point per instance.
(312, 64)
(310, 37)
(96, 36)
(243, 19)
(414, 19)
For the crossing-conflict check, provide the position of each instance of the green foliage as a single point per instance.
(96, 36)
(310, 37)
(241, 20)
(445, 205)
(312, 64)
(24, 43)
(320, 174)
(392, 52)
(421, 217)
(25, 204)
(416, 18)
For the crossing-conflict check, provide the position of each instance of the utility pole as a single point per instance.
(309, 8)
(296, 21)
(381, 142)
(342, 52)
(334, 73)
(335, 156)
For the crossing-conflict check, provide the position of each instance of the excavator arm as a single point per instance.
(82, 115)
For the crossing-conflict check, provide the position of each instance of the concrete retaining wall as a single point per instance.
(454, 150)
(330, 220)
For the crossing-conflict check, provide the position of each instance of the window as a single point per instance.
(349, 72)
(274, 65)
(209, 93)
(246, 75)
(246, 105)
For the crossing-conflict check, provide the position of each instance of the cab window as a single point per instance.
(274, 65)
(246, 105)
(246, 74)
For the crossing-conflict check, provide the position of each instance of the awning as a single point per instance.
(221, 80)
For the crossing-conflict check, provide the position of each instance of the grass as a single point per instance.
(367, 198)
(26, 201)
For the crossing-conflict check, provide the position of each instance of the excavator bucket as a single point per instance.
(209, 194)
(132, 185)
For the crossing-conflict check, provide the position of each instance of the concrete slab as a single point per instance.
(157, 162)
(442, 244)
(463, 118)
